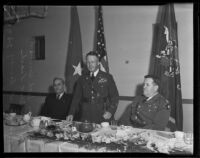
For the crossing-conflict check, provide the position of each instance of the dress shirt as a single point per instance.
(58, 96)
(95, 73)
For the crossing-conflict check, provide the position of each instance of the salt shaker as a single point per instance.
(46, 123)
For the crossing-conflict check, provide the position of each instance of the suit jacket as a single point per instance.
(56, 108)
(95, 97)
(152, 114)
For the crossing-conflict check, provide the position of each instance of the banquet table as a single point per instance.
(16, 140)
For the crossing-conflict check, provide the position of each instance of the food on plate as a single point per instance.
(50, 134)
(84, 136)
(106, 135)
(139, 141)
(43, 131)
(14, 121)
(59, 135)
(75, 134)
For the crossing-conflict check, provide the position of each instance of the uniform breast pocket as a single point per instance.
(103, 89)
(152, 111)
(86, 90)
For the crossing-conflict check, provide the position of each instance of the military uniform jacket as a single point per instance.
(152, 114)
(95, 97)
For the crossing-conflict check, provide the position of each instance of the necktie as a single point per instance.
(58, 96)
(92, 77)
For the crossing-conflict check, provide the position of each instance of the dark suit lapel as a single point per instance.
(54, 95)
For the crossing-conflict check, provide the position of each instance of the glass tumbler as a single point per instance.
(113, 124)
(188, 138)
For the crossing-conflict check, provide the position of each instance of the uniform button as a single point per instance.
(149, 110)
(137, 112)
(92, 92)
(135, 117)
(139, 106)
(92, 97)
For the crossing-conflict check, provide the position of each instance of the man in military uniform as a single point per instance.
(96, 94)
(149, 111)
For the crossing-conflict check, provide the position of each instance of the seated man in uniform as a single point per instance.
(57, 104)
(96, 94)
(149, 111)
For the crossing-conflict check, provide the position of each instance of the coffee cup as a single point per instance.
(105, 124)
(179, 135)
(35, 122)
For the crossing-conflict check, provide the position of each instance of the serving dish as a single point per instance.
(16, 121)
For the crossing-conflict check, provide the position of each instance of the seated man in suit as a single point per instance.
(57, 104)
(149, 111)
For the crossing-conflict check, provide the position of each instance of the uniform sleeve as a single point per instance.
(76, 98)
(113, 96)
(125, 118)
(128, 114)
(134, 117)
(161, 119)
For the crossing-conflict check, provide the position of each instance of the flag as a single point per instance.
(100, 43)
(164, 64)
(74, 61)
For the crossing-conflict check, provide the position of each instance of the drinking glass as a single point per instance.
(188, 138)
(113, 124)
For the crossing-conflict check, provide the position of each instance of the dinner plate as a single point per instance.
(166, 135)
(56, 120)
(8, 124)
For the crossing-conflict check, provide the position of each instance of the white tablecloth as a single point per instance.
(15, 140)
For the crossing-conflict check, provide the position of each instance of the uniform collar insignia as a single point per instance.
(152, 98)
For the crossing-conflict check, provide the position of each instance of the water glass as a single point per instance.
(113, 124)
(188, 138)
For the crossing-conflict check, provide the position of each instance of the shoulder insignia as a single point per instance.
(167, 101)
(168, 106)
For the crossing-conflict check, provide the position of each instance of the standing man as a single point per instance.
(96, 94)
(57, 104)
(150, 110)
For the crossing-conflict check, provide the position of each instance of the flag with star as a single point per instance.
(165, 64)
(74, 61)
(100, 43)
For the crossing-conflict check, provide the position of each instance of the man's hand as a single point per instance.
(69, 118)
(107, 115)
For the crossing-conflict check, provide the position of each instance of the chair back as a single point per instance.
(171, 126)
(17, 108)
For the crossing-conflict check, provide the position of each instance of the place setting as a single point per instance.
(12, 119)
